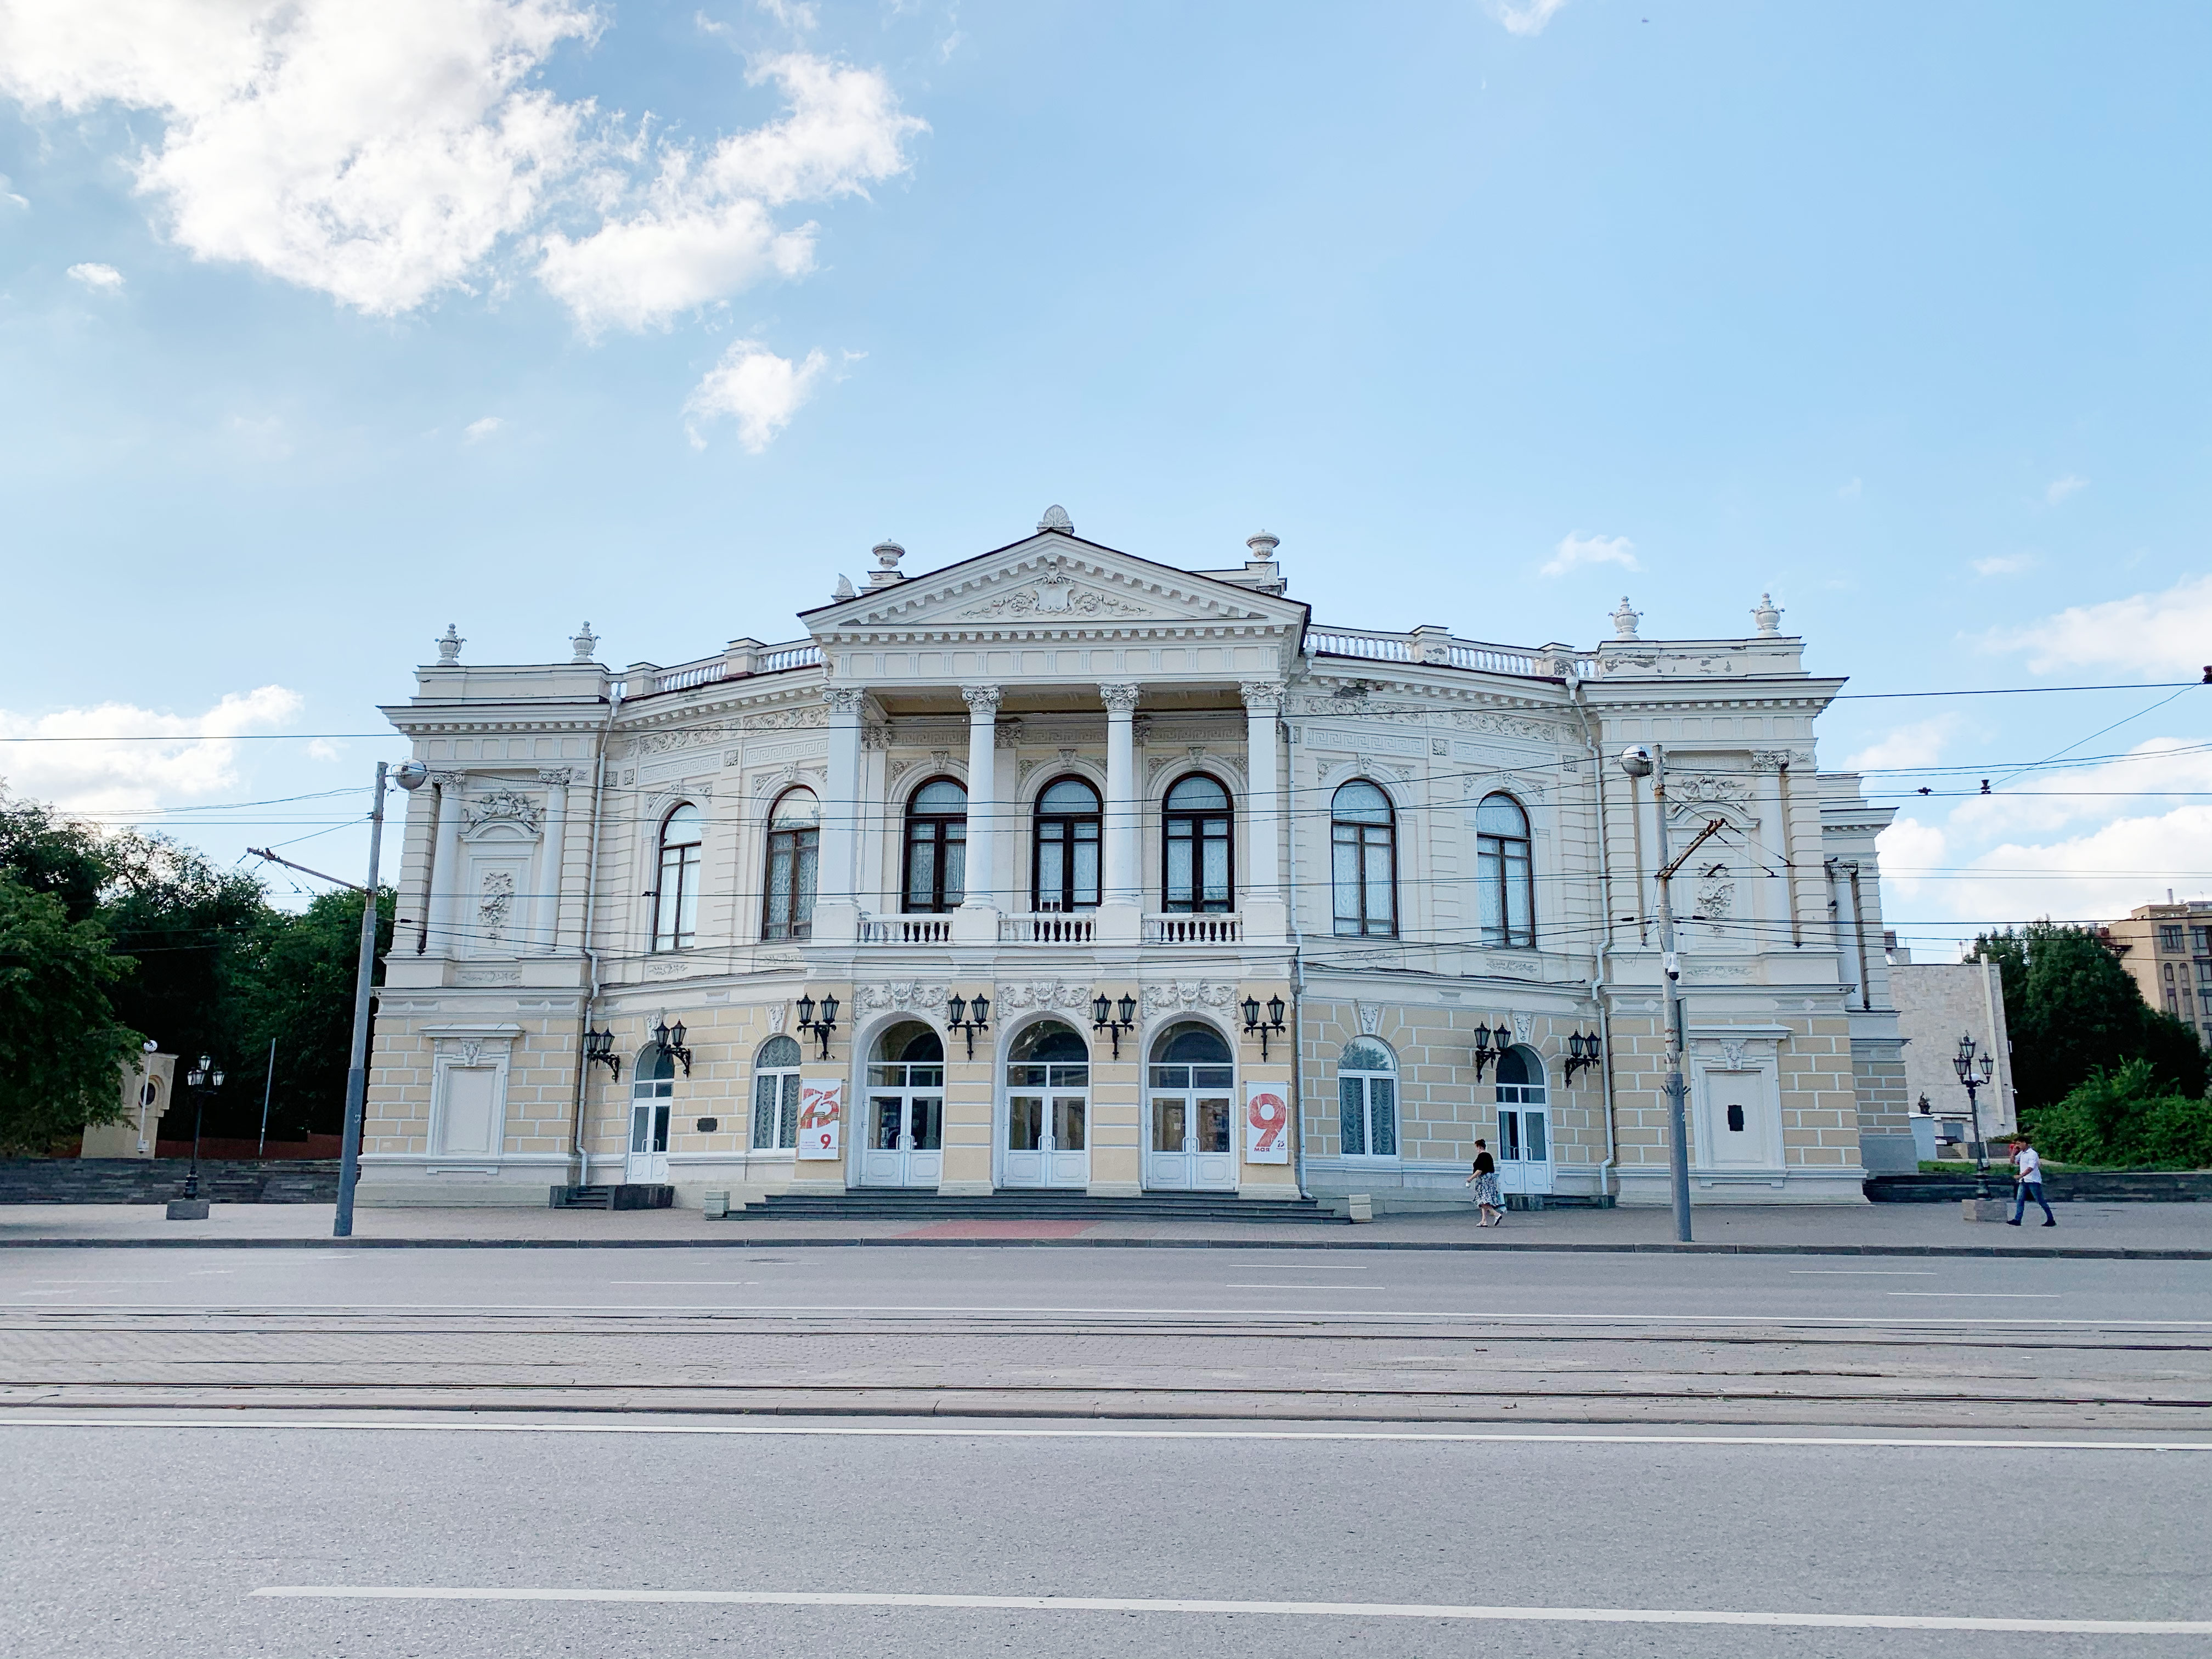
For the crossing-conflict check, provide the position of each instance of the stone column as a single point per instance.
(545, 924)
(978, 921)
(445, 873)
(836, 913)
(1260, 892)
(1121, 914)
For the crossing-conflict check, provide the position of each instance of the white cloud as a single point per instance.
(706, 226)
(2059, 488)
(758, 389)
(2004, 564)
(1574, 552)
(792, 14)
(2145, 633)
(1851, 491)
(376, 153)
(1525, 16)
(105, 279)
(10, 195)
(477, 431)
(97, 775)
(1920, 744)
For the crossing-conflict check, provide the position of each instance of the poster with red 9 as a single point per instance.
(1267, 1124)
(821, 1116)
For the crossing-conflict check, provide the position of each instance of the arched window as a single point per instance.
(1197, 864)
(795, 839)
(776, 1096)
(1505, 890)
(936, 845)
(676, 896)
(1363, 861)
(1367, 1099)
(1064, 874)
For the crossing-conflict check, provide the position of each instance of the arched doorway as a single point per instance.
(652, 1092)
(1190, 1109)
(1048, 1140)
(904, 1141)
(1524, 1122)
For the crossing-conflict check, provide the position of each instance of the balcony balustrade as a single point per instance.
(906, 930)
(1049, 928)
(1183, 929)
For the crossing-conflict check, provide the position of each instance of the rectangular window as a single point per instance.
(676, 905)
(1351, 1110)
(2169, 937)
(2204, 973)
(2200, 940)
(793, 857)
(775, 1111)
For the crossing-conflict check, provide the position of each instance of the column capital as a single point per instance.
(844, 699)
(1119, 699)
(982, 700)
(1262, 696)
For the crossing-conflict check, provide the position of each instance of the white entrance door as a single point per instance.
(1524, 1149)
(1048, 1109)
(647, 1161)
(1189, 1140)
(905, 1127)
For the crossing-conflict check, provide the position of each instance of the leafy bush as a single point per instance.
(2123, 1119)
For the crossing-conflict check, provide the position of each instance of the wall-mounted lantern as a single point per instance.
(1484, 1054)
(968, 1018)
(821, 1028)
(669, 1039)
(1113, 1018)
(599, 1049)
(1253, 1024)
(1584, 1050)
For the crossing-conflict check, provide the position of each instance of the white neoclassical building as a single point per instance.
(1062, 868)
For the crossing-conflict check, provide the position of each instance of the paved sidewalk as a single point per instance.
(2102, 1228)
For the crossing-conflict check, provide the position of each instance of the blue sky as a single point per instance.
(324, 325)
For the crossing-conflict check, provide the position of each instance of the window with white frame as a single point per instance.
(676, 896)
(1367, 1099)
(1506, 887)
(794, 841)
(776, 1096)
(1363, 861)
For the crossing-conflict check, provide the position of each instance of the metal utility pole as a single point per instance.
(1638, 762)
(411, 776)
(268, 1087)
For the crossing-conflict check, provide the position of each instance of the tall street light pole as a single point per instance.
(1963, 1063)
(411, 777)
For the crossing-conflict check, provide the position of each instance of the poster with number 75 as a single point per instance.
(1267, 1123)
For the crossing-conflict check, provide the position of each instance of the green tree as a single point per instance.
(191, 927)
(2124, 1117)
(2072, 1010)
(49, 853)
(296, 985)
(62, 1048)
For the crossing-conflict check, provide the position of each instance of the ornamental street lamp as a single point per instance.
(1114, 1018)
(1584, 1050)
(968, 1018)
(822, 1027)
(669, 1041)
(1965, 1065)
(599, 1049)
(1253, 1024)
(203, 1080)
(1484, 1054)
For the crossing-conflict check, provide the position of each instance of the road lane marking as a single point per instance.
(1867, 1273)
(709, 1284)
(960, 1431)
(1986, 1296)
(1296, 1609)
(1031, 1310)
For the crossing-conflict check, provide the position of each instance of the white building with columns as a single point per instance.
(1062, 868)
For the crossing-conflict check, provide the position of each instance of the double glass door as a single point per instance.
(905, 1139)
(1524, 1149)
(651, 1099)
(1191, 1146)
(1047, 1126)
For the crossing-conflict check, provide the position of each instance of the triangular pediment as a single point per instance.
(1052, 580)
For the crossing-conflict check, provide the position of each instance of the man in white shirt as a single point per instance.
(2027, 1170)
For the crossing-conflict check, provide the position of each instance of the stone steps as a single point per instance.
(892, 1204)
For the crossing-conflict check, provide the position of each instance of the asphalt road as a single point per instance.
(134, 1540)
(1658, 1288)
